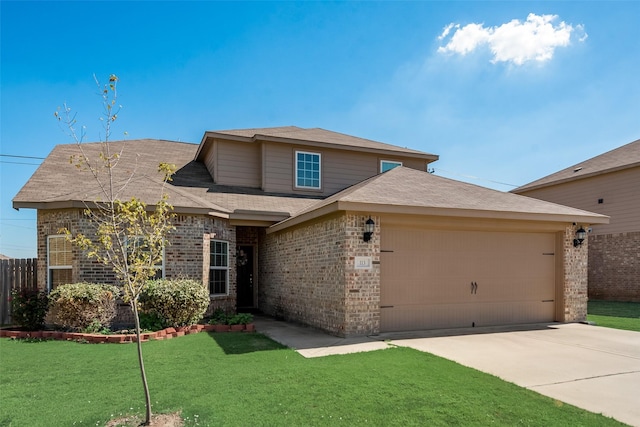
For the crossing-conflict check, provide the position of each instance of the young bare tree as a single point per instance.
(129, 235)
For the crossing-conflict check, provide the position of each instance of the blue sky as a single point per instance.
(504, 92)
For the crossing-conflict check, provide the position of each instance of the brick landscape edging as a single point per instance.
(163, 334)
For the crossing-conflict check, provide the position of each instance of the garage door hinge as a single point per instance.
(547, 300)
(385, 250)
(386, 306)
(548, 253)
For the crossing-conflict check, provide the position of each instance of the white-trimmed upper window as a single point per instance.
(59, 256)
(308, 168)
(386, 165)
(219, 267)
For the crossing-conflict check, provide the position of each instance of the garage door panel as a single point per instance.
(403, 318)
(499, 313)
(427, 278)
(463, 315)
(443, 292)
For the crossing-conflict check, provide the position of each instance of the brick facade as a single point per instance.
(574, 286)
(362, 286)
(186, 256)
(307, 275)
(614, 267)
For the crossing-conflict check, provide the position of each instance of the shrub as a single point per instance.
(241, 319)
(84, 306)
(95, 327)
(29, 308)
(151, 322)
(219, 317)
(179, 302)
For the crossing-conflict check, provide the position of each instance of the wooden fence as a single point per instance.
(15, 274)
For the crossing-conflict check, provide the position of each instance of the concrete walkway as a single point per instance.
(311, 342)
(594, 368)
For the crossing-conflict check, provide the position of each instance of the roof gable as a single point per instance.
(620, 158)
(310, 136)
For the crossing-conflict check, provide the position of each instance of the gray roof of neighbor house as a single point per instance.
(58, 184)
(620, 158)
(410, 191)
(322, 137)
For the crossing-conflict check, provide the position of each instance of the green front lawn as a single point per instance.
(618, 315)
(240, 379)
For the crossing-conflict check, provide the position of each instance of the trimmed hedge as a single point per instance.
(180, 302)
(82, 306)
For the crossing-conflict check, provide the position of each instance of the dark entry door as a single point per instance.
(245, 277)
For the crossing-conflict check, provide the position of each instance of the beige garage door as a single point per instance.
(434, 279)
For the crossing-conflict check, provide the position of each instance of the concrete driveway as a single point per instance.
(594, 368)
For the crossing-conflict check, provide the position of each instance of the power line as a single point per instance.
(21, 157)
(21, 163)
(475, 177)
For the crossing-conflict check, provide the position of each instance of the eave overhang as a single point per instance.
(373, 208)
(78, 204)
(257, 138)
(242, 217)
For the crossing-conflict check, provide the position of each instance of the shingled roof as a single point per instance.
(620, 158)
(58, 184)
(410, 191)
(293, 134)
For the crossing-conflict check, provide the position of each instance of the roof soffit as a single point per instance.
(404, 190)
(373, 208)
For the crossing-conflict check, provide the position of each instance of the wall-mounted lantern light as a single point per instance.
(369, 227)
(581, 234)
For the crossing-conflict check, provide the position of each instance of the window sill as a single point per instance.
(218, 295)
(308, 189)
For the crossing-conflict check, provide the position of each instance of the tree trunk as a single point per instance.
(134, 307)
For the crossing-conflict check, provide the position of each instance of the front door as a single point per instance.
(245, 277)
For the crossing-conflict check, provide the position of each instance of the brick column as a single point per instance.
(575, 276)
(362, 286)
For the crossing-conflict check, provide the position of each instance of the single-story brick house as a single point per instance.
(610, 185)
(346, 234)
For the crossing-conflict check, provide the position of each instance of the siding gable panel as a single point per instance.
(619, 191)
(238, 164)
(340, 168)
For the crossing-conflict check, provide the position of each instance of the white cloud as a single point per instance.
(517, 42)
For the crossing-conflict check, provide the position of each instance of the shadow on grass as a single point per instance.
(614, 309)
(243, 343)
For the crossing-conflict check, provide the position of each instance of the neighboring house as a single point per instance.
(608, 184)
(303, 224)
